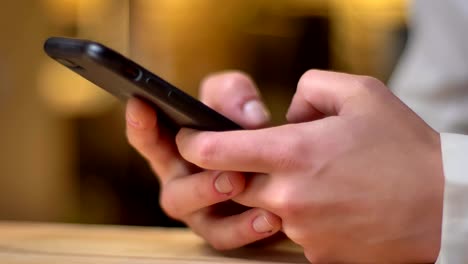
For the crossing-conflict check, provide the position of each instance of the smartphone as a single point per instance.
(124, 79)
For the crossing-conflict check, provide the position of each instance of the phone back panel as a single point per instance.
(125, 79)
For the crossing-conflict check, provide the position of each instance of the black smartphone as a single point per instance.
(124, 78)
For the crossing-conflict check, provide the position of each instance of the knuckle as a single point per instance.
(317, 256)
(227, 242)
(296, 235)
(309, 74)
(217, 241)
(142, 144)
(285, 203)
(290, 209)
(236, 79)
(169, 205)
(196, 222)
(206, 151)
(221, 237)
(285, 156)
(207, 84)
(306, 79)
(238, 86)
(289, 152)
(369, 84)
(284, 160)
(225, 82)
(219, 244)
(202, 192)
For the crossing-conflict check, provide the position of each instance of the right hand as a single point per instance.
(200, 198)
(355, 177)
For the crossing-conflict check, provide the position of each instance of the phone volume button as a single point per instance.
(175, 96)
(157, 86)
(170, 94)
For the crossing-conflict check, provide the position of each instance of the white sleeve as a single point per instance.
(432, 75)
(454, 248)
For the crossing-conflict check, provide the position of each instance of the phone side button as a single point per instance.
(157, 87)
(176, 98)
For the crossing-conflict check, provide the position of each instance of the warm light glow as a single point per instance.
(61, 12)
(100, 20)
(70, 94)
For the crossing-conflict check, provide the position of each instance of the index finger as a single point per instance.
(262, 150)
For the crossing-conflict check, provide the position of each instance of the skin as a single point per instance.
(355, 176)
(200, 198)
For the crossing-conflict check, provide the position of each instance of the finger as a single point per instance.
(235, 231)
(323, 93)
(184, 195)
(301, 110)
(157, 148)
(260, 191)
(235, 95)
(263, 150)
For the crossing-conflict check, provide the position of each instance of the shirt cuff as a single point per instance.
(454, 247)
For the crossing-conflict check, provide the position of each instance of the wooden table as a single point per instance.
(34, 243)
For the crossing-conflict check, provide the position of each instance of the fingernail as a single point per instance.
(261, 224)
(256, 112)
(132, 120)
(223, 184)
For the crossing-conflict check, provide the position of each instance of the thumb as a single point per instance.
(235, 95)
(322, 93)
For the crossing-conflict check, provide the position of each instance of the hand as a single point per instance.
(356, 177)
(199, 197)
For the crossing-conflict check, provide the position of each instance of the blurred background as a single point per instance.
(64, 155)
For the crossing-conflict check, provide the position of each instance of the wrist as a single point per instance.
(433, 204)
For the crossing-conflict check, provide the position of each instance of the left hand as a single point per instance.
(358, 180)
(202, 198)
